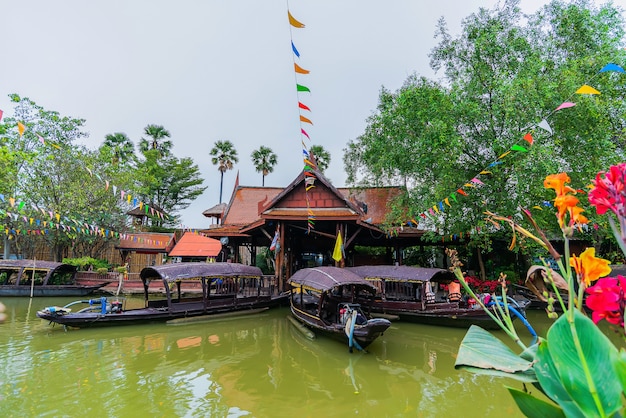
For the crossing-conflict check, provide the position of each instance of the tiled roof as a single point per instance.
(246, 203)
(196, 245)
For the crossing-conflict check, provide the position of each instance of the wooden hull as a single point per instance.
(48, 290)
(440, 314)
(363, 334)
(157, 313)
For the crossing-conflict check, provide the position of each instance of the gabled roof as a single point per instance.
(147, 242)
(196, 245)
(216, 211)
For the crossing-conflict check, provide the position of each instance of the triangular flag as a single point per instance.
(1, 114)
(585, 89)
(453, 196)
(20, 128)
(304, 133)
(461, 191)
(529, 138)
(295, 51)
(504, 155)
(612, 67)
(305, 120)
(475, 180)
(544, 125)
(299, 69)
(565, 105)
(300, 87)
(303, 106)
(447, 201)
(516, 147)
(41, 139)
(293, 22)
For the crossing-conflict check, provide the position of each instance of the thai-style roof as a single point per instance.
(327, 277)
(147, 242)
(191, 271)
(37, 264)
(216, 211)
(196, 245)
(402, 273)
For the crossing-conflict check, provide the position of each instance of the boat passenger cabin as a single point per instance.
(40, 278)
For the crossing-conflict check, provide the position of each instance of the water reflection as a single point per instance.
(257, 366)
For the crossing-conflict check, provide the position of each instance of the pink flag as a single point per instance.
(305, 134)
(0, 114)
(565, 105)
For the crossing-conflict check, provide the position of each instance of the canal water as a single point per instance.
(249, 366)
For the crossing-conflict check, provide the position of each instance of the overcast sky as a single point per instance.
(222, 70)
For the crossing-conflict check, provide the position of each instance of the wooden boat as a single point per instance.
(426, 295)
(226, 287)
(40, 278)
(337, 303)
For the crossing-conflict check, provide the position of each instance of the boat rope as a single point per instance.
(352, 342)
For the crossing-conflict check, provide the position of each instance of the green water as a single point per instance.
(251, 366)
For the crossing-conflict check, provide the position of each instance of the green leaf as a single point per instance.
(619, 364)
(481, 352)
(533, 407)
(561, 372)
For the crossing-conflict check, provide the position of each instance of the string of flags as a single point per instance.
(309, 162)
(124, 196)
(439, 208)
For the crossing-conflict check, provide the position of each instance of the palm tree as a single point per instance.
(122, 148)
(156, 134)
(264, 161)
(321, 157)
(224, 155)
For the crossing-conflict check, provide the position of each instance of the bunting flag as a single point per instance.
(293, 22)
(612, 67)
(299, 69)
(309, 161)
(585, 89)
(1, 114)
(564, 105)
(21, 128)
(529, 138)
(545, 126)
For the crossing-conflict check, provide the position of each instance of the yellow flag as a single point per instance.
(585, 89)
(21, 128)
(293, 21)
(338, 251)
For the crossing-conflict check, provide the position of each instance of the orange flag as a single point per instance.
(293, 22)
(21, 128)
(306, 120)
(299, 69)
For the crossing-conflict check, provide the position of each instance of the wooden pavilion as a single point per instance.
(255, 215)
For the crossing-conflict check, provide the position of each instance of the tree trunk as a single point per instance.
(481, 264)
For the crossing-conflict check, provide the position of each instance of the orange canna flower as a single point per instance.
(557, 182)
(588, 267)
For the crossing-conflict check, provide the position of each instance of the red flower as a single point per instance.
(607, 299)
(609, 193)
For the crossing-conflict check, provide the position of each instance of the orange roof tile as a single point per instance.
(196, 245)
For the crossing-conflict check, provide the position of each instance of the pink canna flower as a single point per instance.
(607, 300)
(609, 192)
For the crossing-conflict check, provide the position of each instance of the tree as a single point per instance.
(224, 155)
(156, 133)
(48, 178)
(168, 182)
(264, 161)
(502, 76)
(121, 148)
(321, 156)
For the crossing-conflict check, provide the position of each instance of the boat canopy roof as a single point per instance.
(325, 278)
(196, 271)
(402, 273)
(37, 264)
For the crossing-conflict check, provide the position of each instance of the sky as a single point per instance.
(223, 70)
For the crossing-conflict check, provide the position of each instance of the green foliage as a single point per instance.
(86, 263)
(264, 161)
(321, 155)
(501, 76)
(224, 155)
